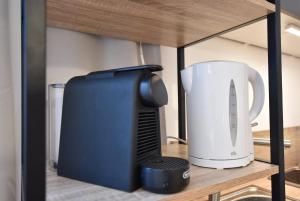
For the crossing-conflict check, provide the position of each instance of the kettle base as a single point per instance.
(220, 164)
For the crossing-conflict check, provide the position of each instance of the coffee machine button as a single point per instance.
(153, 91)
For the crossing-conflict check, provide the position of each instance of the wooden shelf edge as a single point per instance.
(193, 194)
(264, 4)
(228, 177)
(204, 181)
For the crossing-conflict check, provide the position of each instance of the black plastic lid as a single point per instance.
(150, 67)
(165, 175)
(166, 163)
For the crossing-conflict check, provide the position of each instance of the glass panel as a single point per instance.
(55, 98)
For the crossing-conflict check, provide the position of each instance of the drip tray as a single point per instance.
(250, 193)
(292, 177)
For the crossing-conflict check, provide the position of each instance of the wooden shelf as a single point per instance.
(204, 181)
(168, 22)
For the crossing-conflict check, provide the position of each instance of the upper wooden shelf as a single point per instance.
(168, 22)
(204, 181)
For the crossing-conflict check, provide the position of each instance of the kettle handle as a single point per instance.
(258, 93)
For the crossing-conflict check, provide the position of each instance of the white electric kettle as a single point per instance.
(218, 117)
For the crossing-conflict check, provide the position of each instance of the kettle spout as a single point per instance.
(186, 79)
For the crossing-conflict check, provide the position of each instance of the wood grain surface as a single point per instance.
(292, 159)
(204, 181)
(291, 154)
(167, 22)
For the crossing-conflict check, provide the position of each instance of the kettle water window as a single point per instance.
(232, 112)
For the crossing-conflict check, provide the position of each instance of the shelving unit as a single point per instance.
(171, 23)
(204, 181)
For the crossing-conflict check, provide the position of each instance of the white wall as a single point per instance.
(169, 63)
(69, 54)
(15, 57)
(8, 171)
(72, 53)
(221, 49)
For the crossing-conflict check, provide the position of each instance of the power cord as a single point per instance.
(176, 138)
(141, 53)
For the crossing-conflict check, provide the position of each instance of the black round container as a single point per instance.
(165, 175)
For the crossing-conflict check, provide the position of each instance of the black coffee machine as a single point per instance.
(110, 125)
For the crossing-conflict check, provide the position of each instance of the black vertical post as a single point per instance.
(33, 99)
(181, 95)
(275, 101)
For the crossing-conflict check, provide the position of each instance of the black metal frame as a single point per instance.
(275, 96)
(275, 101)
(33, 30)
(181, 95)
